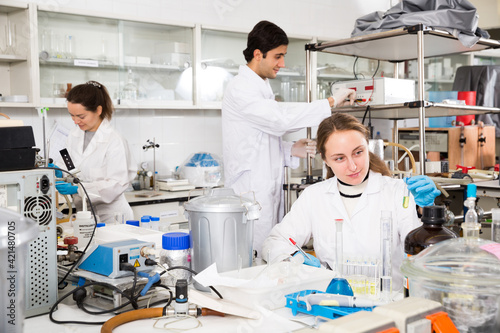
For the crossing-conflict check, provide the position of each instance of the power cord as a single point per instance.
(79, 294)
(189, 270)
(77, 181)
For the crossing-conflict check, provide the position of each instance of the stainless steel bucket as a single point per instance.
(221, 229)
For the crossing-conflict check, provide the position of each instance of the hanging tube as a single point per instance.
(421, 114)
(309, 178)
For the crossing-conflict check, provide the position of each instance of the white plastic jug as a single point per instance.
(83, 227)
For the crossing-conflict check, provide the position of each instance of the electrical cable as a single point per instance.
(192, 271)
(354, 68)
(132, 298)
(376, 69)
(77, 181)
(51, 311)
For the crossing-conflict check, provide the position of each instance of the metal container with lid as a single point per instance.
(221, 228)
(464, 275)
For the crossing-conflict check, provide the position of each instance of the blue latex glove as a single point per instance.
(66, 188)
(310, 260)
(423, 189)
(57, 171)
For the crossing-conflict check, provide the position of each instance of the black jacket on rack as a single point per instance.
(485, 81)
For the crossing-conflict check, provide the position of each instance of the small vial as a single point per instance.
(176, 252)
(155, 223)
(495, 225)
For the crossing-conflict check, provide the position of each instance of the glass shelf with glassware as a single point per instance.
(15, 37)
(141, 63)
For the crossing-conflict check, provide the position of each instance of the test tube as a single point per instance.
(339, 246)
(386, 250)
(495, 225)
(406, 198)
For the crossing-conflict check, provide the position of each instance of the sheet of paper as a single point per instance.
(57, 140)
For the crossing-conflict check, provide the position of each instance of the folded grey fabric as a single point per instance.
(457, 17)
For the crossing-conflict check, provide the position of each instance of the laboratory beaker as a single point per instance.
(10, 38)
(16, 231)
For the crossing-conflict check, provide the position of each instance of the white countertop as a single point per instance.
(149, 195)
(279, 320)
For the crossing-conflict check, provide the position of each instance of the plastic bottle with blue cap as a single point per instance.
(146, 222)
(471, 225)
(155, 223)
(176, 252)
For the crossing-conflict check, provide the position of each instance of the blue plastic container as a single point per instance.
(331, 312)
(437, 97)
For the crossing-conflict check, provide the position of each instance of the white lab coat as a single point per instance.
(314, 213)
(106, 169)
(253, 152)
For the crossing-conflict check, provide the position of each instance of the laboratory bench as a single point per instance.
(168, 205)
(279, 320)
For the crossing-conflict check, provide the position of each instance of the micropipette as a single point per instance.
(337, 300)
(299, 248)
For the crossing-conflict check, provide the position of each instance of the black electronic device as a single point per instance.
(67, 159)
(16, 148)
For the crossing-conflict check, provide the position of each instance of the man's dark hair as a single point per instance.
(265, 36)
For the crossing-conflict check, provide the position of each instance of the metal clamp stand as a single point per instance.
(154, 145)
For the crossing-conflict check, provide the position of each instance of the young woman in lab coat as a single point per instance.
(99, 152)
(358, 188)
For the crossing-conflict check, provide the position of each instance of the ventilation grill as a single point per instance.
(38, 279)
(39, 209)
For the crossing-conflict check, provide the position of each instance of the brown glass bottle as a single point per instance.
(429, 233)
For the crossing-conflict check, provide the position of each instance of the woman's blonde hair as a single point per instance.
(345, 122)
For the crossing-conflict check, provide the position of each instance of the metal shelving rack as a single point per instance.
(397, 46)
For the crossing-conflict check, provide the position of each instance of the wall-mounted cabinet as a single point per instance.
(222, 54)
(15, 55)
(141, 64)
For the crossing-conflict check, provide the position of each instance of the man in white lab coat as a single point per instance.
(253, 123)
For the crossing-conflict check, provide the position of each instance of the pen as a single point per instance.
(299, 248)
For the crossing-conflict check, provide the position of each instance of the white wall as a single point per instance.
(182, 132)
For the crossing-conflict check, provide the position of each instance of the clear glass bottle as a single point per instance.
(130, 89)
(495, 225)
(176, 252)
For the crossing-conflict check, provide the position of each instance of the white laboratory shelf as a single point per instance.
(11, 58)
(411, 110)
(408, 43)
(401, 44)
(108, 64)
